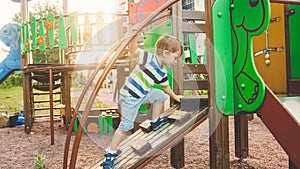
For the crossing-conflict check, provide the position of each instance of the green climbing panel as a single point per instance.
(192, 48)
(41, 38)
(33, 32)
(223, 57)
(77, 123)
(237, 83)
(27, 36)
(23, 43)
(73, 19)
(100, 25)
(50, 22)
(294, 21)
(62, 37)
(87, 29)
(104, 123)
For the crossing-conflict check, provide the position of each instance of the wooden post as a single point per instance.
(177, 152)
(218, 123)
(241, 135)
(51, 106)
(27, 90)
(219, 140)
(66, 96)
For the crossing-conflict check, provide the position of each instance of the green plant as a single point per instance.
(39, 162)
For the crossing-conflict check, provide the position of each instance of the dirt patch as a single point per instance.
(18, 149)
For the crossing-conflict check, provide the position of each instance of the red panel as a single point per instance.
(281, 123)
(139, 11)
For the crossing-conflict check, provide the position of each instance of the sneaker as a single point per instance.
(155, 125)
(108, 162)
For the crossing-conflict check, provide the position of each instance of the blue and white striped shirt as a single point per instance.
(146, 73)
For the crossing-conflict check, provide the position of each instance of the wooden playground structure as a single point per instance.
(230, 64)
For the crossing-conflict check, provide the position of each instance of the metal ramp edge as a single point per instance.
(158, 141)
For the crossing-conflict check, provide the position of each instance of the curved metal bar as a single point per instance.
(99, 67)
(80, 99)
(104, 74)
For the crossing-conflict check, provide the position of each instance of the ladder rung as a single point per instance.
(46, 101)
(46, 93)
(44, 108)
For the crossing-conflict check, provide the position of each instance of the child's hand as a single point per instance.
(177, 98)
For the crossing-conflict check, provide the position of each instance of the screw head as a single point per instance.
(223, 97)
(219, 14)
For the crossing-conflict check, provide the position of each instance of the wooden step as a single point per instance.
(195, 84)
(46, 101)
(45, 87)
(45, 78)
(45, 108)
(46, 93)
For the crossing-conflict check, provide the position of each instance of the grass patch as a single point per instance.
(12, 100)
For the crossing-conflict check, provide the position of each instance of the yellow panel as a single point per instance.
(274, 74)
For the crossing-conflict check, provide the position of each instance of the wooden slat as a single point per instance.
(46, 93)
(44, 108)
(195, 84)
(241, 135)
(193, 15)
(194, 68)
(193, 28)
(45, 101)
(219, 140)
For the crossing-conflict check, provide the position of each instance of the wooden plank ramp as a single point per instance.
(141, 147)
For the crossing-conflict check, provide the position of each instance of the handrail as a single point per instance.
(119, 48)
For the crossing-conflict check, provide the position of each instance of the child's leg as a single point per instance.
(156, 110)
(119, 136)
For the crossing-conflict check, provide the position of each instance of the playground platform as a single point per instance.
(142, 147)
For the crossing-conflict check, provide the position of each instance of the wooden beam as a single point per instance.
(177, 157)
(195, 84)
(193, 27)
(219, 140)
(177, 161)
(194, 68)
(218, 123)
(241, 135)
(193, 15)
(27, 90)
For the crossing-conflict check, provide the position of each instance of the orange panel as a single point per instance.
(139, 11)
(274, 74)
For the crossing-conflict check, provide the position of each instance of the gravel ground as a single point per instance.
(18, 150)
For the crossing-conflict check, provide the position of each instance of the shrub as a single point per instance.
(39, 162)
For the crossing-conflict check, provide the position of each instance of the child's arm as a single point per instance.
(170, 92)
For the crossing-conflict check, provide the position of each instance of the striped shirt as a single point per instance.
(146, 73)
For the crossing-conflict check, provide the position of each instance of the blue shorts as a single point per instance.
(130, 106)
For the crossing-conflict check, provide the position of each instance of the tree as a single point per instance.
(41, 10)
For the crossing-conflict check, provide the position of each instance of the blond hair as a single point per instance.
(168, 43)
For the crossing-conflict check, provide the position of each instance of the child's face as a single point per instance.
(170, 59)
